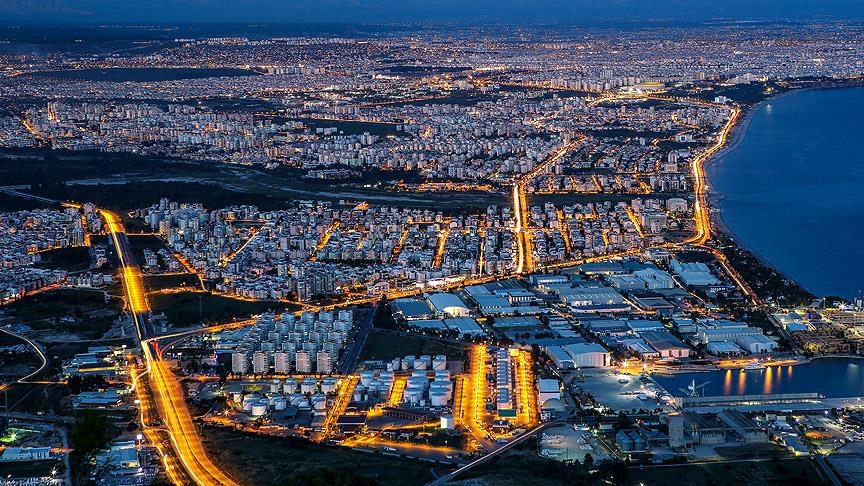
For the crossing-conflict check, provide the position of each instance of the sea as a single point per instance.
(792, 189)
(831, 377)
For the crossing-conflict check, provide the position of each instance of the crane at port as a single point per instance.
(694, 390)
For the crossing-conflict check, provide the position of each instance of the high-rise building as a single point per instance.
(260, 362)
(303, 362)
(239, 361)
(282, 362)
(324, 364)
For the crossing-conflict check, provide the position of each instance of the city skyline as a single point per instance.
(387, 11)
(433, 248)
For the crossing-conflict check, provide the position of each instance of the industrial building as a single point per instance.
(579, 355)
(448, 305)
(666, 344)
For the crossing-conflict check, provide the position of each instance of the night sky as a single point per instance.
(463, 11)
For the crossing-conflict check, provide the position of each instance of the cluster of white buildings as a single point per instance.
(283, 344)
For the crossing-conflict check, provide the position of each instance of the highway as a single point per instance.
(167, 393)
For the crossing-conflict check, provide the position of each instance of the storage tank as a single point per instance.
(412, 395)
(418, 373)
(439, 363)
(446, 384)
(359, 392)
(290, 385)
(408, 362)
(442, 374)
(427, 360)
(417, 382)
(448, 422)
(237, 397)
(276, 386)
(280, 403)
(395, 365)
(308, 385)
(319, 402)
(328, 385)
(366, 377)
(419, 364)
(438, 399)
(247, 403)
(299, 401)
(259, 408)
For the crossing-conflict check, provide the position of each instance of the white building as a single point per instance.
(260, 362)
(324, 362)
(548, 389)
(239, 362)
(282, 362)
(757, 344)
(303, 362)
(448, 305)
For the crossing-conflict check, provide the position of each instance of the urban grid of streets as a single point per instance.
(549, 138)
(189, 454)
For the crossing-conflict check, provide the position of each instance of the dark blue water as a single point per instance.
(793, 189)
(832, 377)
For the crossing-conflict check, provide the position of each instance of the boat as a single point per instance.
(753, 366)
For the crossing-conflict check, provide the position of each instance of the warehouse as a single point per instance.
(587, 355)
(464, 325)
(412, 309)
(757, 344)
(666, 344)
(448, 305)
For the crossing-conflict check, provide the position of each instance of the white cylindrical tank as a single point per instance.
(259, 408)
(418, 373)
(328, 385)
(408, 362)
(417, 382)
(290, 385)
(427, 359)
(366, 377)
(413, 395)
(359, 392)
(395, 365)
(319, 402)
(276, 386)
(419, 364)
(438, 399)
(448, 422)
(439, 364)
(237, 397)
(308, 385)
(280, 404)
(247, 403)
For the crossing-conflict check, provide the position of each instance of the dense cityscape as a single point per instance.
(408, 255)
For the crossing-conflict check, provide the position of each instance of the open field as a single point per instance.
(71, 259)
(189, 308)
(263, 460)
(84, 312)
(386, 346)
(766, 472)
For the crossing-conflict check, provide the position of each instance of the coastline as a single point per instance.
(713, 197)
